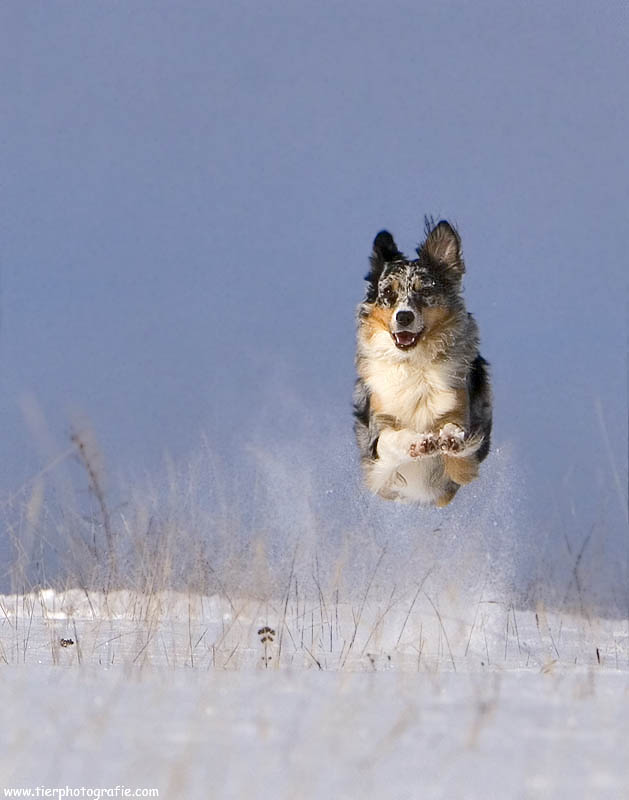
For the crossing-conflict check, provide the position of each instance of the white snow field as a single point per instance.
(407, 697)
(309, 641)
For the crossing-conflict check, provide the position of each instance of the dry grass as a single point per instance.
(183, 574)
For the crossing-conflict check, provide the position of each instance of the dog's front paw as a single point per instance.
(426, 444)
(451, 438)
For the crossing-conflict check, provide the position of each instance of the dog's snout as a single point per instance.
(404, 317)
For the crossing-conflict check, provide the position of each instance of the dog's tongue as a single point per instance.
(405, 338)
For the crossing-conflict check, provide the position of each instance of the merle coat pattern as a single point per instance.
(422, 402)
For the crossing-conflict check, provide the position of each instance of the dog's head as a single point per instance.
(408, 299)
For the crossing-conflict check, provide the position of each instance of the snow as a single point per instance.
(308, 644)
(172, 691)
(409, 633)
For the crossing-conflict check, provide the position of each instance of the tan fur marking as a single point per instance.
(460, 414)
(461, 470)
(388, 421)
(435, 315)
(375, 404)
(439, 323)
(379, 319)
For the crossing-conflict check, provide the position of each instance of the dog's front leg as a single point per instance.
(455, 443)
(453, 428)
(459, 453)
(401, 446)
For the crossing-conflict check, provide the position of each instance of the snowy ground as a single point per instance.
(411, 697)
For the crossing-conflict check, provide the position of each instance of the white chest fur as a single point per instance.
(417, 395)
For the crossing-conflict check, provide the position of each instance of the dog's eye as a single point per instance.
(388, 294)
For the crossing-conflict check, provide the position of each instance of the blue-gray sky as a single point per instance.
(190, 191)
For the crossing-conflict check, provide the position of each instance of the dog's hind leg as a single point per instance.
(395, 449)
(447, 496)
(461, 470)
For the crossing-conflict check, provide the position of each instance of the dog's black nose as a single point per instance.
(404, 317)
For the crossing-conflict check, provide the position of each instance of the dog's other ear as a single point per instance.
(384, 250)
(443, 247)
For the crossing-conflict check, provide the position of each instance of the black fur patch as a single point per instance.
(366, 435)
(480, 404)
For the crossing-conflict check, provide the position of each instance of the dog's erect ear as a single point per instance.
(384, 250)
(443, 247)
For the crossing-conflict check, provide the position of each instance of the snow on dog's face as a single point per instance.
(407, 300)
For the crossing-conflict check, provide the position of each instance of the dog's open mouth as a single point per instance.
(405, 339)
